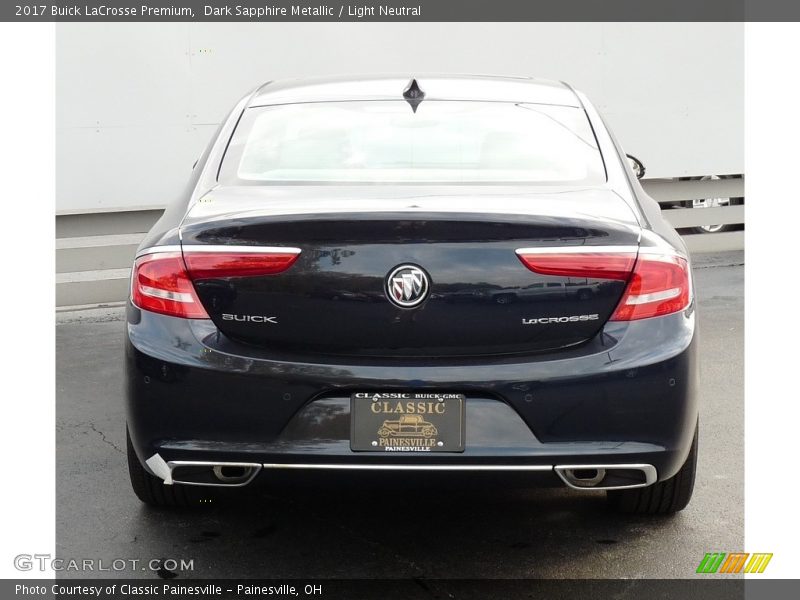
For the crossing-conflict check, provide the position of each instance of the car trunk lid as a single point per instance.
(479, 297)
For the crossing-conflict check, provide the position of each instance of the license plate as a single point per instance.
(406, 422)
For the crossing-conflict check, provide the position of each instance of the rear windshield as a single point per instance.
(387, 142)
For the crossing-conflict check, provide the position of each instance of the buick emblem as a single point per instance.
(407, 286)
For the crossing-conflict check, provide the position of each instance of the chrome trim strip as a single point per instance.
(157, 250)
(165, 295)
(166, 473)
(577, 249)
(653, 297)
(665, 252)
(240, 249)
(192, 463)
(217, 248)
(406, 467)
(649, 471)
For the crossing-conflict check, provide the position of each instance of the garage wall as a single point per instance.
(137, 104)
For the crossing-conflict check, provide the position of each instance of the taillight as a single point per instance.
(587, 264)
(160, 284)
(216, 264)
(660, 285)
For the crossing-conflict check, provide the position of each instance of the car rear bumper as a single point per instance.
(628, 397)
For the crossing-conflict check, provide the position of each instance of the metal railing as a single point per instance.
(676, 198)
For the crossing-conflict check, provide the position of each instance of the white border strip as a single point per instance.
(771, 410)
(27, 120)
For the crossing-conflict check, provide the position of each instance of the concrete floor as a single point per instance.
(436, 529)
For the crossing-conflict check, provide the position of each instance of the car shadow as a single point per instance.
(379, 527)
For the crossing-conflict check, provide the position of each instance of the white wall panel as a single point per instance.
(137, 103)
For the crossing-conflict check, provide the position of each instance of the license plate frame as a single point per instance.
(407, 422)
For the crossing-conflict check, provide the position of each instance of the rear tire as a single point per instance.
(149, 488)
(662, 498)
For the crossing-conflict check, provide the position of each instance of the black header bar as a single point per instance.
(394, 10)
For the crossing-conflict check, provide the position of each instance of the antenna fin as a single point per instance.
(413, 94)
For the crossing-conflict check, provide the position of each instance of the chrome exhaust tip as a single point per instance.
(213, 474)
(232, 474)
(584, 478)
(606, 477)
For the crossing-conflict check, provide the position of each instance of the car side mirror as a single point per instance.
(637, 166)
